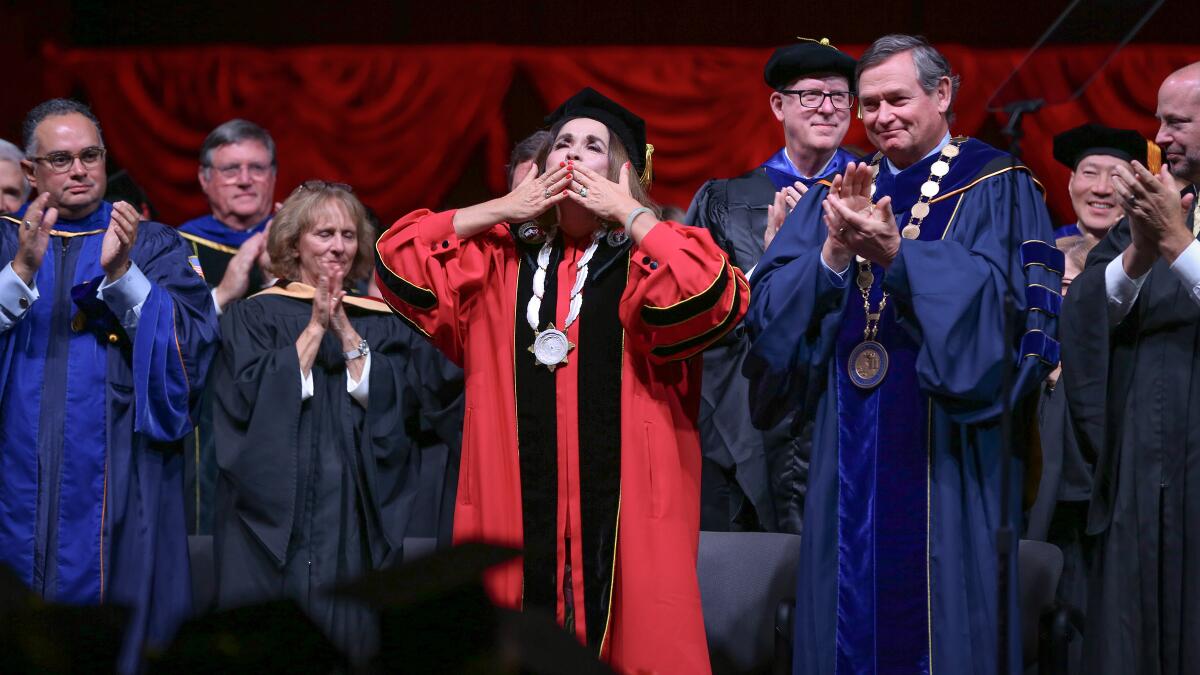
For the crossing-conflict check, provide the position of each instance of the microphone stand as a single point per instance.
(1004, 534)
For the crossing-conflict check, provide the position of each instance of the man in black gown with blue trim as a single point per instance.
(756, 479)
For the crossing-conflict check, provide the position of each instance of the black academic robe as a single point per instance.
(738, 478)
(313, 493)
(1058, 514)
(752, 479)
(1133, 397)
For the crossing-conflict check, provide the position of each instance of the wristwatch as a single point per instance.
(358, 352)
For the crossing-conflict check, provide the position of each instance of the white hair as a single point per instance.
(11, 153)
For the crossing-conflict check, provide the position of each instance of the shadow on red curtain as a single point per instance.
(401, 123)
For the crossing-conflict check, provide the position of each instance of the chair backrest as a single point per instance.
(743, 576)
(1039, 566)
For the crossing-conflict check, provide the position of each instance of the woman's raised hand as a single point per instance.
(607, 200)
(532, 197)
(322, 304)
(535, 195)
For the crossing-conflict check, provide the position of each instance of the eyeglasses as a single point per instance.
(814, 98)
(61, 162)
(231, 172)
(316, 185)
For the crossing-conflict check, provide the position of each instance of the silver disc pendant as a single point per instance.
(868, 364)
(531, 233)
(617, 237)
(550, 347)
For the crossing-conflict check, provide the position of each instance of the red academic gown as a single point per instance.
(534, 471)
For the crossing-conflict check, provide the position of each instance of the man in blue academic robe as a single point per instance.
(106, 332)
(881, 309)
(756, 479)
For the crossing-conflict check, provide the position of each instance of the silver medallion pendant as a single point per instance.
(617, 237)
(550, 347)
(868, 364)
(531, 233)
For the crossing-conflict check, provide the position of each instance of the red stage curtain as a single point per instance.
(401, 123)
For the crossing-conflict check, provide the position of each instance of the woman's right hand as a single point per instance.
(532, 197)
(325, 295)
(320, 306)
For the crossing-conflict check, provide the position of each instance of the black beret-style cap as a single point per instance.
(629, 128)
(1070, 147)
(803, 58)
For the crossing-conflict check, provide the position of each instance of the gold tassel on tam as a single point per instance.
(1153, 157)
(648, 173)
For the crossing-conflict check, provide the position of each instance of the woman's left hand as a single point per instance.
(608, 200)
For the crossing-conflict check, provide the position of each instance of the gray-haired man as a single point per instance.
(14, 189)
(237, 173)
(880, 308)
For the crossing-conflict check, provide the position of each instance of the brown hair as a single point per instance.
(1076, 248)
(617, 156)
(298, 215)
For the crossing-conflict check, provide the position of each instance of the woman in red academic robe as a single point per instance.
(578, 339)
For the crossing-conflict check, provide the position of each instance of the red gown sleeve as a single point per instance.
(428, 276)
(683, 294)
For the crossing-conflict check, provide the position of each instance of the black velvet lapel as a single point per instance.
(537, 440)
(601, 346)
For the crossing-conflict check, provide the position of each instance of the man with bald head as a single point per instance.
(1136, 308)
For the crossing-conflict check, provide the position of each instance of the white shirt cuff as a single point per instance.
(15, 297)
(220, 309)
(306, 385)
(125, 296)
(360, 390)
(1121, 289)
(836, 278)
(1187, 266)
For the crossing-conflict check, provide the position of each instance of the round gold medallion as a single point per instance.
(939, 168)
(865, 278)
(920, 209)
(929, 189)
(950, 150)
(911, 231)
(868, 364)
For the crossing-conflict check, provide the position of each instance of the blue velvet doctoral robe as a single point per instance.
(898, 566)
(91, 503)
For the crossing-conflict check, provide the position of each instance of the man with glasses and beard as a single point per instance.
(752, 479)
(106, 332)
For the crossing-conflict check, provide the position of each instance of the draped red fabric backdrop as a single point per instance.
(402, 123)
